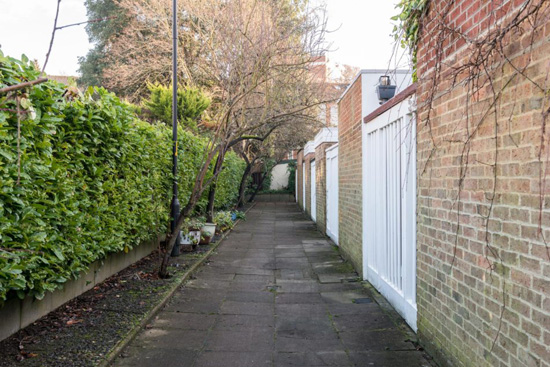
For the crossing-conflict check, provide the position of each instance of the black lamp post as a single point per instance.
(175, 205)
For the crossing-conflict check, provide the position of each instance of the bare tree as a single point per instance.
(255, 57)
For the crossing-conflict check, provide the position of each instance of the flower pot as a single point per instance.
(190, 239)
(207, 232)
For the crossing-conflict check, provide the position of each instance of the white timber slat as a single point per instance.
(389, 220)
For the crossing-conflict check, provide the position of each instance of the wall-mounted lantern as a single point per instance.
(384, 89)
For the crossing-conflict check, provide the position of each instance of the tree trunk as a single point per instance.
(196, 193)
(242, 187)
(212, 191)
(258, 187)
(172, 237)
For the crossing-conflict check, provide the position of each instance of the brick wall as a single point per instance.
(478, 280)
(321, 185)
(350, 231)
(300, 178)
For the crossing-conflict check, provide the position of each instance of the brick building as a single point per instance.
(483, 207)
(359, 99)
(476, 283)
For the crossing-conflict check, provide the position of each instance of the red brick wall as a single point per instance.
(350, 231)
(321, 185)
(482, 281)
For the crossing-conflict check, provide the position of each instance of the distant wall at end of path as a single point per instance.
(279, 177)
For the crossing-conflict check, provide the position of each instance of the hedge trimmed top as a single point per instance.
(93, 180)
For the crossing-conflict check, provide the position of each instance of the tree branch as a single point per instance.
(11, 88)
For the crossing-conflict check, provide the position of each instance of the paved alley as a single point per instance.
(276, 293)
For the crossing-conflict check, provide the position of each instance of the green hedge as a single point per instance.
(94, 180)
(229, 181)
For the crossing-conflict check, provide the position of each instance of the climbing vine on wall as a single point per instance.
(487, 61)
(407, 29)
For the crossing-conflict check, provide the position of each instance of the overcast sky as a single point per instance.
(361, 34)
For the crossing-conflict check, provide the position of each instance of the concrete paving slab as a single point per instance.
(183, 306)
(247, 308)
(298, 286)
(336, 277)
(328, 358)
(214, 275)
(377, 320)
(336, 287)
(296, 344)
(172, 339)
(155, 357)
(249, 286)
(275, 294)
(301, 310)
(379, 340)
(246, 278)
(185, 321)
(309, 329)
(389, 359)
(244, 322)
(208, 284)
(290, 274)
(290, 246)
(256, 297)
(246, 340)
(234, 359)
(303, 298)
(343, 297)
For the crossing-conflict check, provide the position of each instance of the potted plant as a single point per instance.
(207, 231)
(191, 233)
(223, 220)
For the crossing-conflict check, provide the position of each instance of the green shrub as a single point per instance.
(192, 102)
(223, 220)
(94, 180)
(291, 169)
(229, 181)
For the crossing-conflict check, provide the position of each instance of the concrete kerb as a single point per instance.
(111, 356)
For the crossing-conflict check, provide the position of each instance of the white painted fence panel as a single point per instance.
(389, 170)
(313, 195)
(303, 186)
(332, 193)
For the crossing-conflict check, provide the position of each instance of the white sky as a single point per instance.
(361, 34)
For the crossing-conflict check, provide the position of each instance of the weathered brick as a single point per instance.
(510, 252)
(350, 228)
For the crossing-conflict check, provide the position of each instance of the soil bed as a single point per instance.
(83, 331)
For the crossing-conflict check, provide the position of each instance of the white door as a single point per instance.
(296, 183)
(303, 186)
(313, 205)
(390, 209)
(332, 193)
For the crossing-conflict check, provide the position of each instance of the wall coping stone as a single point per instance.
(309, 148)
(326, 135)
